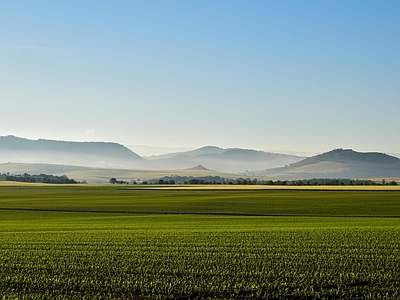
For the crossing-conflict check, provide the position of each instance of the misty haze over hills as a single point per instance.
(99, 160)
(227, 160)
(102, 154)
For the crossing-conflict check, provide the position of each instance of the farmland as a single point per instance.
(102, 242)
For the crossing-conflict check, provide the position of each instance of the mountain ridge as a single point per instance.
(199, 151)
(343, 155)
(70, 152)
(340, 163)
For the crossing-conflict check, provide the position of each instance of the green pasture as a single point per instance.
(206, 201)
(89, 243)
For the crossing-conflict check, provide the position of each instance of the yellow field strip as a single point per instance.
(272, 187)
(219, 187)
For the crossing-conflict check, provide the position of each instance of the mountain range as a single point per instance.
(98, 161)
(113, 155)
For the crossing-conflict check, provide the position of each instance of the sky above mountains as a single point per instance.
(277, 76)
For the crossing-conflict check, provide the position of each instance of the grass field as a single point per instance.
(109, 243)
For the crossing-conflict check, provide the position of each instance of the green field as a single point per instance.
(111, 243)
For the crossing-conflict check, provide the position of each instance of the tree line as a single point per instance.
(41, 178)
(253, 181)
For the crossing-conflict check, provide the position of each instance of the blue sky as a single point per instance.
(285, 76)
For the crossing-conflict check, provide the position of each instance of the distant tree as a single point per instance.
(113, 180)
(43, 178)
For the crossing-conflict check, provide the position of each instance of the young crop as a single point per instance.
(192, 264)
(70, 243)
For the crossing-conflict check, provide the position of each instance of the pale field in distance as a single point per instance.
(216, 187)
(102, 176)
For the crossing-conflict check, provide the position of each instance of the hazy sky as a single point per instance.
(271, 75)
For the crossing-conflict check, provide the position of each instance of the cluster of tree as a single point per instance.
(115, 181)
(162, 181)
(253, 181)
(41, 178)
(189, 180)
(329, 182)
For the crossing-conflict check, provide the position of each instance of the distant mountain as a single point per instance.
(92, 154)
(340, 163)
(225, 160)
(349, 156)
(207, 150)
(201, 151)
(199, 168)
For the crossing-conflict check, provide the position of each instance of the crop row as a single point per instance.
(129, 264)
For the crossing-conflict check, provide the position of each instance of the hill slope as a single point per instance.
(340, 163)
(92, 154)
(201, 151)
(226, 160)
